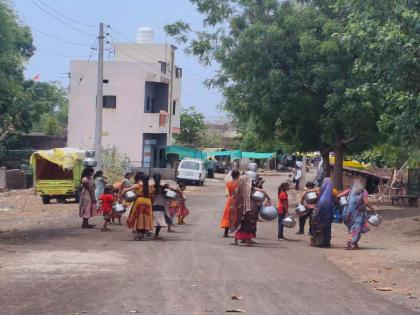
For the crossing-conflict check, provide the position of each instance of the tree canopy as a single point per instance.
(312, 73)
(192, 127)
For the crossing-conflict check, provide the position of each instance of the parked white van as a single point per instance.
(191, 170)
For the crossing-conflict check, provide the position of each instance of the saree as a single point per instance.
(87, 208)
(141, 216)
(354, 215)
(322, 216)
(231, 186)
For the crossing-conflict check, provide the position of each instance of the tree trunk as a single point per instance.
(326, 162)
(338, 165)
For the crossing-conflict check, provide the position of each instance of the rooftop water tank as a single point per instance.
(145, 35)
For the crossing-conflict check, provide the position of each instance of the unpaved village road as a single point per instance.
(62, 269)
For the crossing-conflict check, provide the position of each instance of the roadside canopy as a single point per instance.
(234, 155)
(184, 152)
(257, 155)
(63, 157)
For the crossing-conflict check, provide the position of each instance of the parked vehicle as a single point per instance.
(191, 171)
(57, 173)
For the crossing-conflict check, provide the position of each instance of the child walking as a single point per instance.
(282, 207)
(182, 208)
(310, 186)
(107, 199)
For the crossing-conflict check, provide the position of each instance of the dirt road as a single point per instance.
(62, 269)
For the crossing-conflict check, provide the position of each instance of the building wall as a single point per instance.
(124, 126)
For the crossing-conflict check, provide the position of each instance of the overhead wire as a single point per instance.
(66, 17)
(192, 74)
(59, 39)
(60, 20)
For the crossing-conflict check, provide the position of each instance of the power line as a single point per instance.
(66, 17)
(94, 48)
(59, 39)
(61, 21)
(146, 52)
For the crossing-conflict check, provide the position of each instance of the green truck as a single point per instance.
(57, 174)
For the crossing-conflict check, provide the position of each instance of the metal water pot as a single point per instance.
(252, 175)
(90, 162)
(252, 167)
(170, 194)
(118, 209)
(90, 153)
(375, 219)
(258, 196)
(342, 202)
(268, 213)
(311, 197)
(289, 222)
(130, 196)
(301, 210)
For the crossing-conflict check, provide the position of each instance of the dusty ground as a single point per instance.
(48, 265)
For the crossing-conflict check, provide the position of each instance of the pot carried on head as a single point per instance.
(268, 213)
(170, 194)
(89, 162)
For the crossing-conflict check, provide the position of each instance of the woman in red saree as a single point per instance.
(231, 186)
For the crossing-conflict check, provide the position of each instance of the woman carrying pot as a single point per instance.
(355, 215)
(87, 206)
(244, 214)
(322, 215)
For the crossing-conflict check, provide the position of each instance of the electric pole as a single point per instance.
(99, 98)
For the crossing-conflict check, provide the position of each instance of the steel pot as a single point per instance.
(253, 175)
(289, 222)
(252, 167)
(90, 153)
(118, 208)
(311, 197)
(375, 219)
(268, 213)
(258, 196)
(170, 194)
(342, 202)
(301, 210)
(90, 162)
(130, 196)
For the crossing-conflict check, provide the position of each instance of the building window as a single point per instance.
(163, 66)
(148, 108)
(110, 101)
(173, 108)
(178, 73)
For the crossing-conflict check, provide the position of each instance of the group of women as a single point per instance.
(149, 211)
(241, 212)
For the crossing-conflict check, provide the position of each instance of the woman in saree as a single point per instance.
(140, 217)
(87, 206)
(231, 186)
(322, 215)
(244, 214)
(100, 184)
(354, 215)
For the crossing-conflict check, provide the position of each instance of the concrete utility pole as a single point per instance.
(171, 95)
(303, 178)
(99, 97)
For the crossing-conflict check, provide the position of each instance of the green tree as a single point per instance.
(192, 127)
(15, 49)
(292, 70)
(52, 98)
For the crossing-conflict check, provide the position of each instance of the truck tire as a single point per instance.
(46, 199)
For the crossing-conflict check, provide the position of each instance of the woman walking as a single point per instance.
(159, 205)
(354, 215)
(322, 215)
(244, 217)
(231, 186)
(87, 206)
(140, 216)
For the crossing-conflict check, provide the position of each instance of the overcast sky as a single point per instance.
(52, 59)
